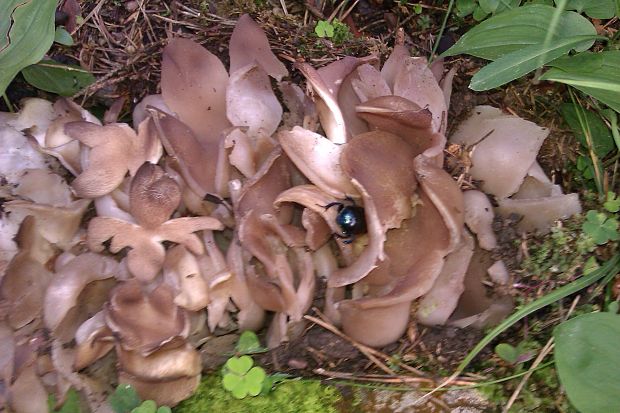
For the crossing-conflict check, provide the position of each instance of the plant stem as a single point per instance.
(8, 103)
(441, 30)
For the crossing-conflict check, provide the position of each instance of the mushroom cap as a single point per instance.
(153, 196)
(142, 321)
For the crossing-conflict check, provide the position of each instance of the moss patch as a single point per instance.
(303, 396)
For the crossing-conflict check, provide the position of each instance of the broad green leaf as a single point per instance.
(57, 78)
(602, 141)
(601, 79)
(516, 64)
(596, 9)
(26, 34)
(164, 409)
(62, 36)
(587, 360)
(518, 28)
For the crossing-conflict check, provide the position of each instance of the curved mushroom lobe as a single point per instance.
(193, 84)
(381, 163)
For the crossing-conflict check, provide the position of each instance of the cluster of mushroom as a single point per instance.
(215, 211)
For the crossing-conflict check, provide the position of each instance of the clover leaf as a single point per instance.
(124, 399)
(241, 378)
(613, 202)
(600, 227)
(324, 29)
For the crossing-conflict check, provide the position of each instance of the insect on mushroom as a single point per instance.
(351, 219)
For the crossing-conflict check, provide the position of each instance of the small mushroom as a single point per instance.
(153, 198)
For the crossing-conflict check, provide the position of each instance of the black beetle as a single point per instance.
(351, 220)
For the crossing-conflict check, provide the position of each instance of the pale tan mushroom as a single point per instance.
(78, 290)
(115, 149)
(144, 322)
(154, 196)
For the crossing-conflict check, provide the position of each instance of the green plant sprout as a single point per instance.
(125, 399)
(612, 204)
(241, 379)
(515, 355)
(601, 227)
(249, 344)
(336, 31)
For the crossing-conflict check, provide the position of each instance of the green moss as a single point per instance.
(303, 396)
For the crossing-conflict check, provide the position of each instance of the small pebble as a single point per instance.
(297, 364)
(131, 5)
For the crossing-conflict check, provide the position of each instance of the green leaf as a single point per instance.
(605, 272)
(518, 28)
(516, 64)
(124, 399)
(602, 140)
(507, 352)
(62, 36)
(26, 34)
(590, 265)
(71, 404)
(479, 14)
(488, 6)
(256, 375)
(612, 204)
(465, 7)
(600, 80)
(240, 392)
(231, 381)
(324, 28)
(249, 343)
(613, 307)
(596, 9)
(57, 78)
(147, 406)
(600, 227)
(164, 409)
(254, 388)
(239, 365)
(587, 360)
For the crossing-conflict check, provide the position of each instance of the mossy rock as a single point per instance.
(299, 396)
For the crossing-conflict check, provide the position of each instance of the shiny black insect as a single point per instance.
(350, 219)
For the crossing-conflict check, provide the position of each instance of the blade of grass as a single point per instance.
(598, 174)
(609, 269)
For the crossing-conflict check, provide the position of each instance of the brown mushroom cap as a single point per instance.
(153, 196)
(144, 322)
